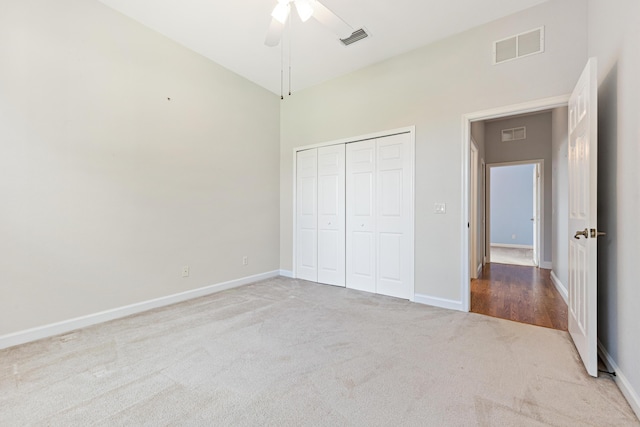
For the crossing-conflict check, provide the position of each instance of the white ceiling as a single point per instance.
(232, 32)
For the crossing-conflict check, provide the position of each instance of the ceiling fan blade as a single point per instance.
(274, 33)
(331, 20)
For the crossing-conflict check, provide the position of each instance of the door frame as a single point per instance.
(538, 193)
(538, 213)
(411, 130)
(473, 215)
(499, 112)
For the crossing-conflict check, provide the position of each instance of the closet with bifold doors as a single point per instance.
(354, 215)
(320, 242)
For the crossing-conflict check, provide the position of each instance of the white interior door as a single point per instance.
(394, 219)
(583, 168)
(331, 215)
(307, 215)
(360, 218)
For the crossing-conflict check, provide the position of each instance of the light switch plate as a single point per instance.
(441, 208)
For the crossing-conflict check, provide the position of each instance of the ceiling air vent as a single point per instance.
(515, 134)
(354, 37)
(518, 46)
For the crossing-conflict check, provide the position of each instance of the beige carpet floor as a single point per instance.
(285, 352)
(513, 256)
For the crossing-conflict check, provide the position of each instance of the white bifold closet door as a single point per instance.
(307, 215)
(361, 200)
(320, 215)
(379, 228)
(331, 215)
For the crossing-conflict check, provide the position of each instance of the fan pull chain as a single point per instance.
(281, 69)
(290, 48)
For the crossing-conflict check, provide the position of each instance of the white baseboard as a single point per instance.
(287, 273)
(510, 245)
(562, 289)
(22, 337)
(547, 265)
(438, 302)
(479, 270)
(625, 387)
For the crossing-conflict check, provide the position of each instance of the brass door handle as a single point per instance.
(596, 233)
(584, 233)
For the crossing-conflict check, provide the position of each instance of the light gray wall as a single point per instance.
(431, 88)
(107, 187)
(614, 37)
(560, 191)
(536, 146)
(477, 133)
(512, 205)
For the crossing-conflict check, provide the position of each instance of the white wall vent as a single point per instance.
(518, 46)
(357, 35)
(515, 134)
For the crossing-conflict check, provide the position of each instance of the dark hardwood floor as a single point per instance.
(518, 293)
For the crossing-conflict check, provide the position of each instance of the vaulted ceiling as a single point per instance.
(232, 32)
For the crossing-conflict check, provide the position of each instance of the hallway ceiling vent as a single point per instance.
(515, 134)
(357, 35)
(518, 46)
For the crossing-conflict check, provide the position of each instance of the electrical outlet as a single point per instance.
(185, 271)
(245, 260)
(440, 208)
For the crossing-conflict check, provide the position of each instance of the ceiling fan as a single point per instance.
(306, 9)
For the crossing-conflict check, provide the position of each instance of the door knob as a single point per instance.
(584, 233)
(596, 233)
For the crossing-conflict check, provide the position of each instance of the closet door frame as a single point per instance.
(411, 130)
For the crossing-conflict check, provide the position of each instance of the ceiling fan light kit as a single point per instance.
(283, 9)
(306, 9)
(281, 12)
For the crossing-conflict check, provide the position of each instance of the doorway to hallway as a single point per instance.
(520, 216)
(518, 293)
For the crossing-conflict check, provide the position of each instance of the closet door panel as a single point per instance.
(307, 215)
(360, 197)
(393, 216)
(389, 251)
(331, 215)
